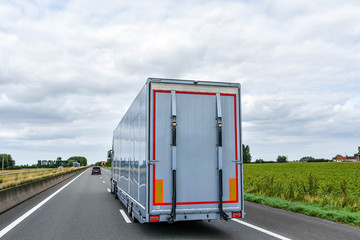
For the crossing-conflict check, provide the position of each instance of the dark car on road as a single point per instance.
(96, 170)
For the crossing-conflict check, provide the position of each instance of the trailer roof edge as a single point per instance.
(191, 82)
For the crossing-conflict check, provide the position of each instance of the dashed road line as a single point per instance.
(261, 230)
(126, 218)
(108, 190)
(103, 181)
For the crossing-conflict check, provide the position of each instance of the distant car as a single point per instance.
(96, 170)
(60, 167)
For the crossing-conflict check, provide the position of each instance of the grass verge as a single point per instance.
(7, 181)
(342, 215)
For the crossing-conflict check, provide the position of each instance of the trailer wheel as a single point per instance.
(116, 197)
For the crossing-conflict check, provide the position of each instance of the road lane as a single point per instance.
(85, 209)
(32, 210)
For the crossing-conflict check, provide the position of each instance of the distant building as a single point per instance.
(347, 159)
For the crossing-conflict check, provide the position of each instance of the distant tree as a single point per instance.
(319, 160)
(98, 163)
(246, 153)
(109, 159)
(6, 162)
(306, 159)
(281, 159)
(39, 164)
(108, 163)
(259, 160)
(359, 151)
(79, 159)
(69, 163)
(9, 163)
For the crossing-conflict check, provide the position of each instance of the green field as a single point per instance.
(331, 186)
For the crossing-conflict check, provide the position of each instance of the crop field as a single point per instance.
(334, 185)
(12, 180)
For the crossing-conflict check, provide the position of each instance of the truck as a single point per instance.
(176, 154)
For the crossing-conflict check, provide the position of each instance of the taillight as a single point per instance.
(236, 215)
(154, 218)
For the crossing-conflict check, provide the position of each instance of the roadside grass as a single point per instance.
(326, 184)
(337, 214)
(24, 170)
(7, 181)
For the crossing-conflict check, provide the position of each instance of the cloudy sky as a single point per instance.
(70, 69)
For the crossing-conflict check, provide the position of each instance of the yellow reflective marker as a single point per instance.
(159, 190)
(232, 189)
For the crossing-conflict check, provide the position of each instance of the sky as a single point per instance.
(69, 70)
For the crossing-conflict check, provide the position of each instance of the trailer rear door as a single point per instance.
(196, 153)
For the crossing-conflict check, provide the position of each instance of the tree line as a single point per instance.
(59, 162)
(8, 161)
(284, 159)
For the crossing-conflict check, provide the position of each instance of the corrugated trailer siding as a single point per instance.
(130, 148)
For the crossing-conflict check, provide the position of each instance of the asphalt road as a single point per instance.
(85, 209)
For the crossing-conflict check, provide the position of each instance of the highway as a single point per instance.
(83, 208)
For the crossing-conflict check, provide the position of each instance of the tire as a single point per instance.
(116, 197)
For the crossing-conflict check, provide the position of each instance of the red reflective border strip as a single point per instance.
(154, 137)
(154, 113)
(236, 150)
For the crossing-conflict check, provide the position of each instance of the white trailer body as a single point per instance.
(176, 153)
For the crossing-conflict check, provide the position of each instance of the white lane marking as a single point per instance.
(108, 190)
(100, 177)
(261, 229)
(28, 213)
(127, 220)
(103, 181)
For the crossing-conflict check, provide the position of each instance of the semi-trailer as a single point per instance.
(176, 153)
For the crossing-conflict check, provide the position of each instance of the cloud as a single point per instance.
(70, 69)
